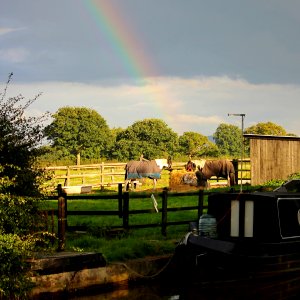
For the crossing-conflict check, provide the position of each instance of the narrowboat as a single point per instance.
(245, 235)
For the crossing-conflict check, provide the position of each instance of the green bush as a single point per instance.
(22, 232)
(14, 284)
(18, 215)
(20, 223)
(294, 176)
(278, 182)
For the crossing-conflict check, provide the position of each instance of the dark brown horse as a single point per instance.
(220, 168)
(190, 166)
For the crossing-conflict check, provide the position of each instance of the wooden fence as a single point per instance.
(102, 174)
(123, 211)
(109, 174)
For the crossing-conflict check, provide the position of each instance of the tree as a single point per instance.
(79, 132)
(267, 128)
(150, 137)
(196, 144)
(228, 138)
(20, 141)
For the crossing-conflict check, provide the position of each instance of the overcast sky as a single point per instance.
(188, 62)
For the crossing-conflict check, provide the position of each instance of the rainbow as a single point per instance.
(125, 42)
(121, 37)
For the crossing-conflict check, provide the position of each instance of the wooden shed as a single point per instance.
(273, 157)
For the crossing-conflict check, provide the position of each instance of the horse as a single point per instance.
(220, 168)
(135, 169)
(190, 166)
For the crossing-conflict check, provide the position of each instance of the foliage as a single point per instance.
(228, 138)
(211, 150)
(278, 182)
(196, 145)
(79, 131)
(267, 128)
(14, 252)
(274, 183)
(18, 215)
(22, 231)
(150, 137)
(20, 138)
(19, 237)
(294, 176)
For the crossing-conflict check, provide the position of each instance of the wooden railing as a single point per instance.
(97, 174)
(123, 211)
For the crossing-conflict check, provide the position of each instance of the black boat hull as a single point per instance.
(205, 259)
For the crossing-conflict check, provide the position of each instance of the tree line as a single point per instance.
(81, 132)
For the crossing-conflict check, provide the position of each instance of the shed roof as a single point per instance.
(272, 137)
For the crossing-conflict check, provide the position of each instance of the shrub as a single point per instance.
(14, 284)
(294, 176)
(18, 215)
(279, 182)
(20, 138)
(20, 141)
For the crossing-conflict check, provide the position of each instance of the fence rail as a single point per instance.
(123, 211)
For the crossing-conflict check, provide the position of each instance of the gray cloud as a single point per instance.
(122, 105)
(202, 59)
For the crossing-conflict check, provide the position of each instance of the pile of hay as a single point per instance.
(176, 182)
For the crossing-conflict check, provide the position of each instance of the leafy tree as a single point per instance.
(79, 132)
(191, 142)
(20, 140)
(229, 140)
(150, 137)
(267, 128)
(196, 144)
(210, 150)
(116, 131)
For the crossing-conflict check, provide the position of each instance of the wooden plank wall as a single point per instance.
(273, 157)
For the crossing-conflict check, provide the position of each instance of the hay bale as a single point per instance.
(176, 182)
(176, 178)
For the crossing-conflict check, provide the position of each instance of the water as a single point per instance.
(231, 290)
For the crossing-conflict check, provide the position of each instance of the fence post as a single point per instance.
(120, 190)
(200, 203)
(102, 175)
(62, 218)
(126, 210)
(67, 181)
(235, 163)
(164, 210)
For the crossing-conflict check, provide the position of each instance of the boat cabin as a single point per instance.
(270, 217)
